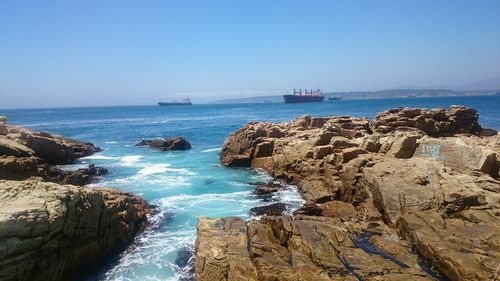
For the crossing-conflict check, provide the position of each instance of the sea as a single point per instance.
(185, 185)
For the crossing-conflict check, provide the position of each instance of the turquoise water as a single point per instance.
(188, 184)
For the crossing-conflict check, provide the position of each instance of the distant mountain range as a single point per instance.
(479, 88)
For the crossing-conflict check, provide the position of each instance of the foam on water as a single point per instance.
(212, 149)
(99, 157)
(189, 184)
(130, 160)
(154, 169)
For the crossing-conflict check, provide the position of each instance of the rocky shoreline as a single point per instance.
(413, 194)
(51, 226)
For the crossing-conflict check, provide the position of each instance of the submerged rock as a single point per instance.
(50, 231)
(275, 209)
(175, 143)
(267, 188)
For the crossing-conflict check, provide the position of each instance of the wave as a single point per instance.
(98, 157)
(111, 142)
(130, 160)
(212, 149)
(153, 169)
(152, 253)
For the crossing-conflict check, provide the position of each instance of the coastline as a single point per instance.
(374, 190)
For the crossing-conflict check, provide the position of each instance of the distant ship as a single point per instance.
(307, 96)
(334, 98)
(174, 102)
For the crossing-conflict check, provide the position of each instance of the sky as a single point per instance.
(94, 52)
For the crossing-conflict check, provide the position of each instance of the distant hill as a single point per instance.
(394, 93)
(258, 99)
(485, 84)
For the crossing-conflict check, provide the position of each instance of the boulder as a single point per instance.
(10, 147)
(175, 143)
(50, 231)
(404, 145)
(3, 128)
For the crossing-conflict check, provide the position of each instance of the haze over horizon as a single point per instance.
(87, 53)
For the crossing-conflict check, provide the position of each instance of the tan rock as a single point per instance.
(221, 250)
(461, 249)
(3, 129)
(49, 231)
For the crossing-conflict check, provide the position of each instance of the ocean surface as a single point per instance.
(188, 184)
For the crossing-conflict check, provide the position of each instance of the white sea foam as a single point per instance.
(154, 169)
(212, 149)
(291, 197)
(153, 249)
(99, 157)
(130, 160)
(111, 142)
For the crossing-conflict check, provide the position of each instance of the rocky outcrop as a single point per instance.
(409, 179)
(175, 143)
(28, 154)
(54, 149)
(50, 231)
(435, 122)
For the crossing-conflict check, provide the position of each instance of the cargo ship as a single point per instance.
(174, 102)
(307, 96)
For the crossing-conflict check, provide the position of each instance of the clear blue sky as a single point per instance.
(64, 53)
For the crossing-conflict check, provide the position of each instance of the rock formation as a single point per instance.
(28, 154)
(382, 196)
(175, 143)
(50, 231)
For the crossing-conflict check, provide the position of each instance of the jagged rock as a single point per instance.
(264, 149)
(364, 183)
(22, 168)
(435, 122)
(49, 231)
(275, 209)
(175, 143)
(85, 175)
(404, 145)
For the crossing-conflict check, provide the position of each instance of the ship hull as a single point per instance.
(173, 103)
(302, 99)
